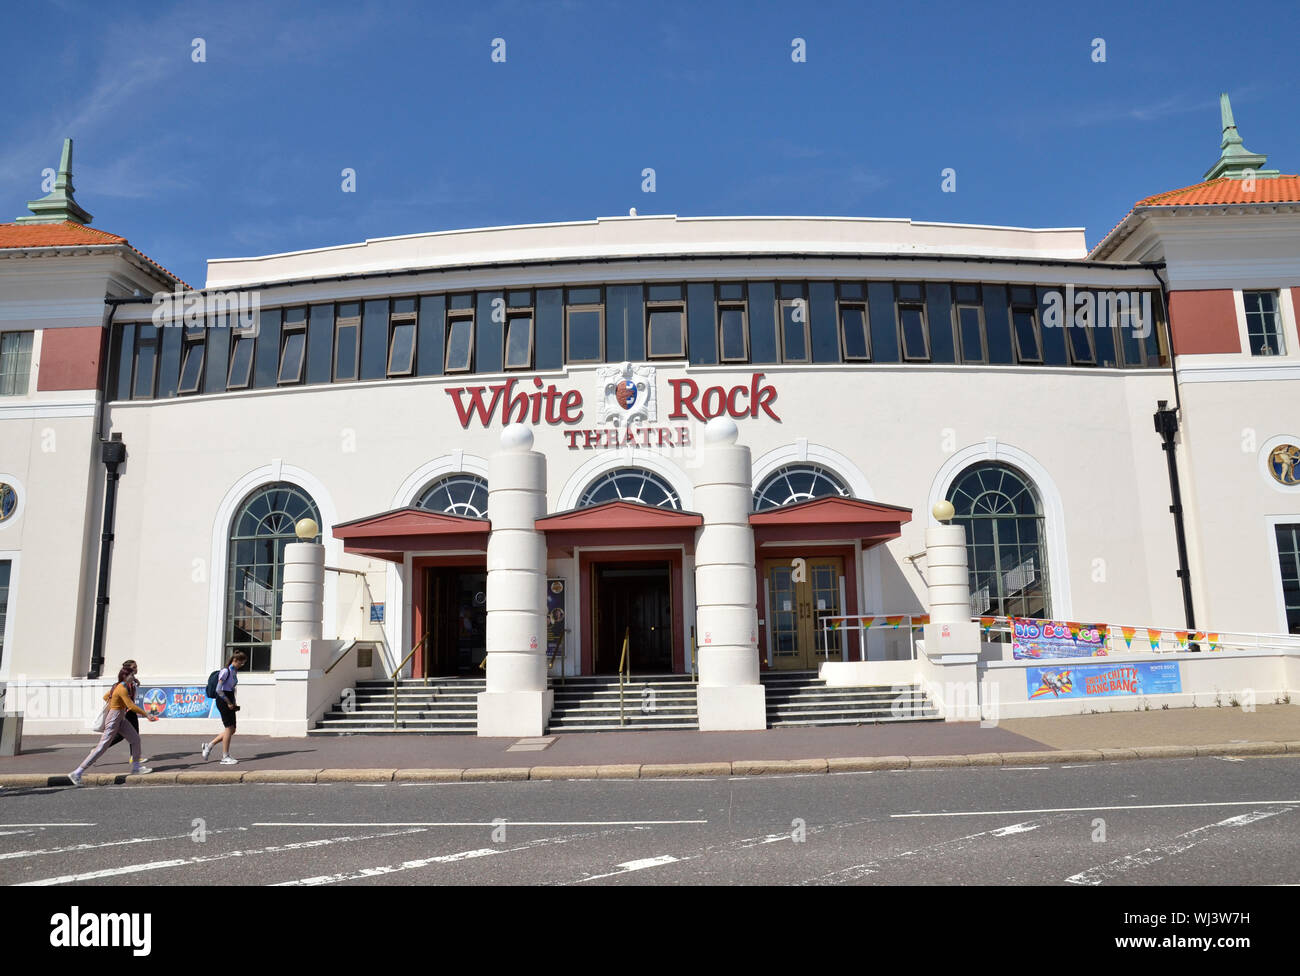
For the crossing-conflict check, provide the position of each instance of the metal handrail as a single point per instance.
(624, 657)
(695, 677)
(339, 660)
(394, 675)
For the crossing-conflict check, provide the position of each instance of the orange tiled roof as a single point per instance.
(54, 235)
(1278, 189)
(68, 233)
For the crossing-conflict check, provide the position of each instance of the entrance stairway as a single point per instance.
(802, 698)
(444, 705)
(590, 703)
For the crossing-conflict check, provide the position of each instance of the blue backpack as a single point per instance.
(211, 690)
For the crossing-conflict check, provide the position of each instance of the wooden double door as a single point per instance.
(801, 593)
(456, 617)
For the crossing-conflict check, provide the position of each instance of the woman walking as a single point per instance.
(227, 678)
(121, 701)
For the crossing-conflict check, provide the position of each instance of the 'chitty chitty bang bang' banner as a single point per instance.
(1104, 680)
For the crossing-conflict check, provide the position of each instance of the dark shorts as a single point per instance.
(227, 713)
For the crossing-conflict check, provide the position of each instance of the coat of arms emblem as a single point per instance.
(627, 395)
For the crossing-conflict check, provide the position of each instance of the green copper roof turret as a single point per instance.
(58, 205)
(1235, 159)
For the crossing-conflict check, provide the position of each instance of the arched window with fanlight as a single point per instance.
(630, 485)
(262, 527)
(798, 483)
(456, 494)
(1006, 546)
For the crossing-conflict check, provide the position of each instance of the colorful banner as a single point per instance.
(171, 701)
(1153, 637)
(1128, 635)
(986, 623)
(1104, 680)
(1045, 639)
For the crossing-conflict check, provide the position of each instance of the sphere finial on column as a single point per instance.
(306, 529)
(721, 430)
(943, 511)
(517, 438)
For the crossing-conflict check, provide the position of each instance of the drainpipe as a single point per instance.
(1166, 421)
(112, 453)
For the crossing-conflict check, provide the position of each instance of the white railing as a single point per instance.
(864, 624)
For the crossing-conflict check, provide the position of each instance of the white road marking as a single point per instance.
(110, 843)
(496, 823)
(1229, 758)
(627, 867)
(1022, 769)
(1148, 806)
(945, 848)
(15, 833)
(1020, 828)
(5, 826)
(427, 861)
(177, 862)
(1183, 842)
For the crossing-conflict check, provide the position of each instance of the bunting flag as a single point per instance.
(1103, 631)
(986, 623)
(1154, 637)
(1182, 637)
(921, 620)
(1198, 636)
(833, 624)
(894, 622)
(1214, 641)
(1128, 633)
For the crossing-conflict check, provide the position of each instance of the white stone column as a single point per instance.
(299, 654)
(730, 695)
(303, 608)
(516, 702)
(951, 638)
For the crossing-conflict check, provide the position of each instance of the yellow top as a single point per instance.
(118, 700)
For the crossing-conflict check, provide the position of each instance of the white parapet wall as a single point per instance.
(1206, 679)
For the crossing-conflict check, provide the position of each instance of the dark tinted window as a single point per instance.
(460, 342)
(731, 331)
(320, 343)
(971, 328)
(584, 335)
(997, 324)
(519, 342)
(853, 322)
(146, 360)
(667, 333)
(938, 309)
(762, 322)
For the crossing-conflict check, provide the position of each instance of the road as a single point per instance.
(1199, 821)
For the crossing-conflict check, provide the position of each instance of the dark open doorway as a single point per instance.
(456, 616)
(636, 599)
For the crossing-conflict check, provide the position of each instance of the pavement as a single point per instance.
(1173, 733)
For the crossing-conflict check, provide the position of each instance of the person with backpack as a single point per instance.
(221, 686)
(121, 701)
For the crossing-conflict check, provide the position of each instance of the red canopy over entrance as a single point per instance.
(833, 518)
(620, 523)
(391, 535)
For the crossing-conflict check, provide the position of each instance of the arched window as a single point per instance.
(261, 529)
(456, 494)
(1005, 544)
(630, 485)
(797, 483)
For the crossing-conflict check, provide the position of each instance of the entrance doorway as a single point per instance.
(800, 596)
(456, 616)
(633, 599)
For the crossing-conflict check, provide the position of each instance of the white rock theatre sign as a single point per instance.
(626, 406)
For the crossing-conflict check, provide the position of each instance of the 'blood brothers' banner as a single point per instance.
(1045, 639)
(1104, 680)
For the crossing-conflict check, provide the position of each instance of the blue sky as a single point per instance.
(243, 154)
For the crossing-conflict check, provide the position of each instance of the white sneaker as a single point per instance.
(75, 778)
(139, 770)
(207, 748)
(228, 760)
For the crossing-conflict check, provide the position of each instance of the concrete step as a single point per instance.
(794, 723)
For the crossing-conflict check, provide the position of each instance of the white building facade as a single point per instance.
(871, 368)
